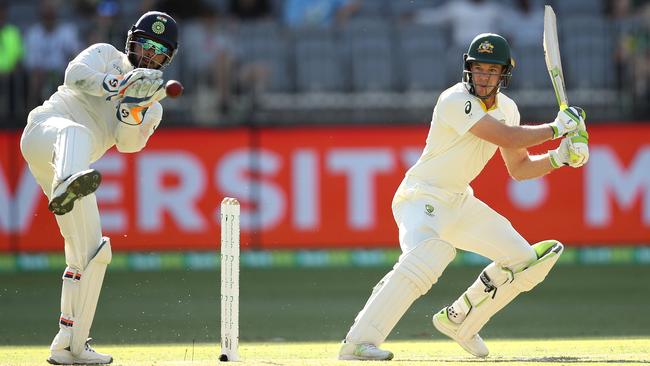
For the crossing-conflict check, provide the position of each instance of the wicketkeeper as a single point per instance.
(108, 98)
(436, 211)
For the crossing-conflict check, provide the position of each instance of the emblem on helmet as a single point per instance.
(158, 27)
(485, 47)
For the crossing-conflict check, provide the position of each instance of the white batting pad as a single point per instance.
(413, 275)
(89, 286)
(493, 290)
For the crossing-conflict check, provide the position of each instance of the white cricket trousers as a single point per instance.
(49, 135)
(423, 212)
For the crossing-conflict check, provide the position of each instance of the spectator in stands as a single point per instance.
(11, 43)
(179, 9)
(319, 13)
(466, 18)
(525, 24)
(632, 56)
(49, 45)
(218, 67)
(11, 53)
(250, 10)
(105, 26)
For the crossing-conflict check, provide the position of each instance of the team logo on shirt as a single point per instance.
(468, 107)
(485, 47)
(428, 209)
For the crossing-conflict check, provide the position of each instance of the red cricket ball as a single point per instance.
(173, 88)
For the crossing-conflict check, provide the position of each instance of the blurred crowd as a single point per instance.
(228, 48)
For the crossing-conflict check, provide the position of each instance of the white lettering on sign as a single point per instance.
(179, 201)
(608, 181)
(16, 213)
(305, 187)
(234, 179)
(360, 166)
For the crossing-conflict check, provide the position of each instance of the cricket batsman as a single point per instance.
(436, 211)
(108, 98)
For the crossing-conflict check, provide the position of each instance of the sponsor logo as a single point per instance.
(485, 47)
(468, 107)
(428, 209)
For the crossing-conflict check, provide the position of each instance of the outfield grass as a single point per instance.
(632, 351)
(288, 305)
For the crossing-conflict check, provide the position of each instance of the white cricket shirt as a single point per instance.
(82, 98)
(453, 156)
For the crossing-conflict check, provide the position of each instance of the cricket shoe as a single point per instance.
(363, 352)
(87, 357)
(75, 187)
(473, 345)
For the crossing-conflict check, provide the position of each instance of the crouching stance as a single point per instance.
(109, 98)
(436, 211)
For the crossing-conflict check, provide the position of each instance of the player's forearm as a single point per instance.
(533, 167)
(81, 77)
(527, 136)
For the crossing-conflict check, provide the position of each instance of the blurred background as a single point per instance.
(336, 61)
(309, 112)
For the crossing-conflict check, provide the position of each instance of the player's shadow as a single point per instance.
(550, 359)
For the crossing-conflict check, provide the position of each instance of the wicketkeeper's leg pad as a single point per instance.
(79, 298)
(413, 275)
(496, 287)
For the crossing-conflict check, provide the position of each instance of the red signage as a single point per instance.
(322, 188)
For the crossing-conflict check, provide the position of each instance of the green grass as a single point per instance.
(173, 310)
(632, 351)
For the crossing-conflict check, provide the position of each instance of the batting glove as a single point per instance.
(573, 150)
(568, 120)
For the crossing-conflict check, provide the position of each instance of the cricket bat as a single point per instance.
(552, 56)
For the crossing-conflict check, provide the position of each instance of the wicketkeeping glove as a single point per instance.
(116, 85)
(573, 150)
(568, 120)
(143, 88)
(131, 110)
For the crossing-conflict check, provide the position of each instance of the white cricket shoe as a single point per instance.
(76, 186)
(473, 345)
(363, 352)
(87, 357)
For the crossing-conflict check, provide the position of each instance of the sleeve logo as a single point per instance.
(428, 209)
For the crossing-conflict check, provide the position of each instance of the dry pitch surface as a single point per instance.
(620, 351)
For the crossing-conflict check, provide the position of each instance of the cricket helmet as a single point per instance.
(488, 48)
(154, 26)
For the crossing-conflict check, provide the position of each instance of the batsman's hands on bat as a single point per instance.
(573, 150)
(117, 85)
(568, 120)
